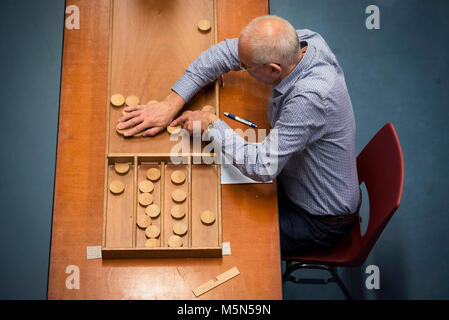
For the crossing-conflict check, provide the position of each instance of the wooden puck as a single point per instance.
(178, 212)
(117, 100)
(140, 134)
(178, 176)
(174, 241)
(153, 174)
(145, 199)
(173, 130)
(143, 221)
(204, 25)
(180, 228)
(132, 101)
(116, 187)
(121, 168)
(178, 195)
(152, 232)
(207, 217)
(121, 131)
(152, 243)
(146, 186)
(209, 108)
(153, 211)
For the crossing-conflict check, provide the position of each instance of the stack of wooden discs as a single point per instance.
(152, 210)
(178, 210)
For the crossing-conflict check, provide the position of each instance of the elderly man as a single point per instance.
(309, 109)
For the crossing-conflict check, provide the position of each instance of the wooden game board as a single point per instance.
(150, 49)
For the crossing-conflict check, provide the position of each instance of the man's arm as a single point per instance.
(301, 122)
(211, 63)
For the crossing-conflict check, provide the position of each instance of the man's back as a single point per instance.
(322, 177)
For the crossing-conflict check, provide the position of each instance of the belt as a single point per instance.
(335, 220)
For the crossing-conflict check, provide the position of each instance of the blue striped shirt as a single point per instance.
(313, 124)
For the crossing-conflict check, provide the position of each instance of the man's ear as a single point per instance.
(275, 68)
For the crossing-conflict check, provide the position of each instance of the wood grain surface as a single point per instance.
(247, 210)
(152, 43)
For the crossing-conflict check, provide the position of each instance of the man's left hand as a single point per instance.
(188, 117)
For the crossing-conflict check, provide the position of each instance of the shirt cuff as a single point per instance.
(186, 88)
(221, 134)
(221, 126)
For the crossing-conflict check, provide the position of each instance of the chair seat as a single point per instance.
(343, 253)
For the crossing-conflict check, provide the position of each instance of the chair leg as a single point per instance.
(340, 283)
(290, 267)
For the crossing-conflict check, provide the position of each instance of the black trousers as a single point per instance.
(301, 232)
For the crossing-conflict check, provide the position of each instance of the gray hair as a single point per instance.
(279, 45)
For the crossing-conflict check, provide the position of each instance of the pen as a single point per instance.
(247, 122)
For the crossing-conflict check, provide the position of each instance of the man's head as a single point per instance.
(268, 49)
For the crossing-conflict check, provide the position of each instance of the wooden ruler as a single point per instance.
(222, 278)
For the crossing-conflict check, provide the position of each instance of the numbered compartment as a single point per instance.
(205, 230)
(119, 204)
(177, 196)
(149, 181)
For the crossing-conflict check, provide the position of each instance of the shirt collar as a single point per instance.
(291, 78)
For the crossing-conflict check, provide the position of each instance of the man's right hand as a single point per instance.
(151, 119)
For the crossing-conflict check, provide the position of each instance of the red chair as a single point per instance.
(380, 166)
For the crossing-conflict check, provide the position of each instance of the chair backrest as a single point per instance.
(380, 166)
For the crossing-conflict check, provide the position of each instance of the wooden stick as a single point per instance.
(221, 278)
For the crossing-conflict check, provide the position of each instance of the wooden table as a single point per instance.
(250, 219)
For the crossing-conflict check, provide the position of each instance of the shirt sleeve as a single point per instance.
(301, 122)
(210, 64)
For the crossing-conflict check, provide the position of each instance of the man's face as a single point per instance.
(262, 73)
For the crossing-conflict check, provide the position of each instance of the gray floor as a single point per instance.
(398, 73)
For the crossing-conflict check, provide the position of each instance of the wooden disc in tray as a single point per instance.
(116, 187)
(178, 195)
(146, 186)
(145, 199)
